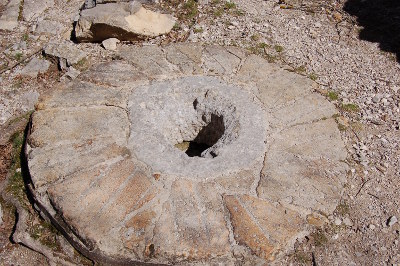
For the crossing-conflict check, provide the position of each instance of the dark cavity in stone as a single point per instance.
(206, 138)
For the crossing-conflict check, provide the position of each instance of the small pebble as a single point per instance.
(391, 221)
(347, 222)
(371, 226)
(338, 221)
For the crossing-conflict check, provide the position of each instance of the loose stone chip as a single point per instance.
(187, 154)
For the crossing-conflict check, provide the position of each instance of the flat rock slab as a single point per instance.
(9, 17)
(186, 154)
(124, 21)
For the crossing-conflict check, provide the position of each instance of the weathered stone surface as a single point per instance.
(220, 60)
(304, 167)
(115, 73)
(82, 93)
(32, 9)
(9, 17)
(192, 224)
(34, 67)
(66, 50)
(149, 59)
(143, 160)
(50, 27)
(186, 57)
(75, 125)
(122, 21)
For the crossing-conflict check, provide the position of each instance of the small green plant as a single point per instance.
(218, 12)
(313, 76)
(320, 238)
(278, 48)
(350, 107)
(341, 127)
(191, 9)
(25, 37)
(270, 58)
(18, 56)
(300, 69)
(45, 233)
(343, 208)
(82, 64)
(16, 185)
(176, 26)
(302, 257)
(333, 96)
(230, 5)
(255, 37)
(198, 30)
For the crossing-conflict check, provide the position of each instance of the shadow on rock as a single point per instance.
(381, 22)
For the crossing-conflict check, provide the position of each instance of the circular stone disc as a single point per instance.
(185, 154)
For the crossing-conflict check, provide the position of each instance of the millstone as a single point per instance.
(185, 154)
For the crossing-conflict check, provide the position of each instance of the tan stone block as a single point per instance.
(317, 219)
(239, 183)
(76, 125)
(48, 165)
(281, 224)
(187, 58)
(138, 233)
(191, 227)
(246, 230)
(86, 195)
(219, 61)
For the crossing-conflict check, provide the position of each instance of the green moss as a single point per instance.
(300, 69)
(350, 107)
(278, 48)
(229, 5)
(313, 76)
(15, 184)
(18, 56)
(46, 234)
(198, 30)
(333, 96)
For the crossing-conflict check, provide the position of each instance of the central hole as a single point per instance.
(206, 138)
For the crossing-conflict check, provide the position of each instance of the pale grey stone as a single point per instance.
(50, 27)
(35, 66)
(65, 50)
(110, 44)
(191, 104)
(391, 221)
(9, 17)
(34, 8)
(71, 74)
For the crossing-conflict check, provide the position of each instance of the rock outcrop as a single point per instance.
(124, 21)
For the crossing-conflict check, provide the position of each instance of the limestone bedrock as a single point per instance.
(211, 155)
